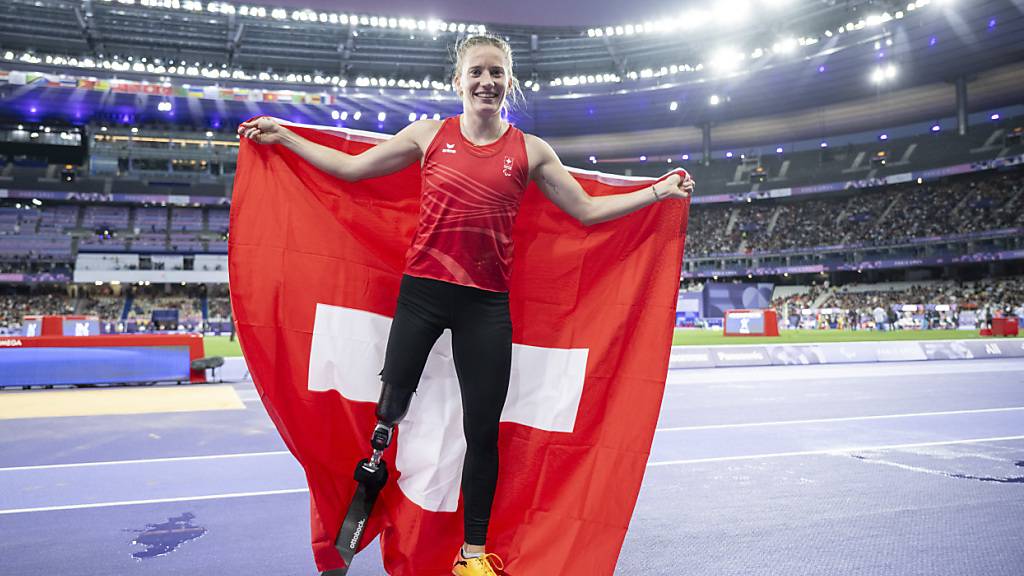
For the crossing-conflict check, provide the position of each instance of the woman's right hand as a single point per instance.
(263, 130)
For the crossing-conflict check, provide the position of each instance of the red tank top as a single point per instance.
(469, 202)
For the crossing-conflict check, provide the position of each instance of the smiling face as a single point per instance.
(484, 79)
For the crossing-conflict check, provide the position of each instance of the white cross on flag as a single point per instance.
(315, 265)
(348, 351)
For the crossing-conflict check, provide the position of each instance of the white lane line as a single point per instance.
(146, 461)
(843, 419)
(153, 501)
(832, 451)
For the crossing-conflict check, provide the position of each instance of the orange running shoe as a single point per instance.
(486, 565)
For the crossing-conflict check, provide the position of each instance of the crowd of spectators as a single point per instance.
(219, 308)
(934, 304)
(796, 301)
(15, 306)
(1005, 295)
(706, 231)
(108, 305)
(874, 217)
(754, 226)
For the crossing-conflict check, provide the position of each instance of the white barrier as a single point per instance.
(842, 353)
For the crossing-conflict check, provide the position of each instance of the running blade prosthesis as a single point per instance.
(371, 475)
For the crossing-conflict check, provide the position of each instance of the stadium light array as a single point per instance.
(727, 61)
(736, 12)
(431, 26)
(213, 72)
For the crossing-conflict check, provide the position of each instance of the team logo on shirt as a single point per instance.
(449, 149)
(507, 168)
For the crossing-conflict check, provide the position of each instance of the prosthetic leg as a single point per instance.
(371, 474)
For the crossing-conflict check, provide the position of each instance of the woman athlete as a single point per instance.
(475, 168)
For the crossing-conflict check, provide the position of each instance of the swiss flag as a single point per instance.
(315, 265)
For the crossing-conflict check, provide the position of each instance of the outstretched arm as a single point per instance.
(389, 156)
(562, 189)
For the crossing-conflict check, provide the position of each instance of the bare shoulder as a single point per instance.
(537, 150)
(427, 125)
(535, 142)
(421, 132)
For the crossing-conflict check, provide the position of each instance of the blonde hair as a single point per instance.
(514, 94)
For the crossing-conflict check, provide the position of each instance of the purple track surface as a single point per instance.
(887, 469)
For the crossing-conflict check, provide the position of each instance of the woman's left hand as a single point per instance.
(675, 186)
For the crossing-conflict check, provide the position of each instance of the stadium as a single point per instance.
(843, 390)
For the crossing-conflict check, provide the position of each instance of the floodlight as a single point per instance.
(726, 59)
(785, 46)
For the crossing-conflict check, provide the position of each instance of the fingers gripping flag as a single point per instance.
(315, 265)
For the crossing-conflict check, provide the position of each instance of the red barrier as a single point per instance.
(193, 341)
(1005, 326)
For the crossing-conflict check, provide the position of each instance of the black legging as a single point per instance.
(482, 349)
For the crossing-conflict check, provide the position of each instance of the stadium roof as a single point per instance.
(578, 13)
(815, 71)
